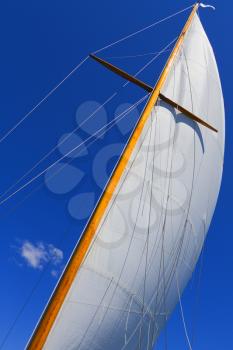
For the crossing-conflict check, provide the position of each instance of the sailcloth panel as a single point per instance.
(150, 238)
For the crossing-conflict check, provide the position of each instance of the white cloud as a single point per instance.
(34, 255)
(56, 255)
(37, 255)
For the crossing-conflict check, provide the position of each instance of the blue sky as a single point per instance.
(41, 42)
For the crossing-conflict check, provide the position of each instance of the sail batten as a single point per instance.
(147, 232)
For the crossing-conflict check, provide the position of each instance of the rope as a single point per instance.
(9, 132)
(198, 294)
(182, 315)
(189, 205)
(147, 242)
(20, 312)
(143, 29)
(116, 325)
(128, 247)
(152, 60)
(84, 122)
(121, 116)
(55, 147)
(139, 55)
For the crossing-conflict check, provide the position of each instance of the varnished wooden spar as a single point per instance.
(186, 112)
(53, 308)
(122, 73)
(148, 88)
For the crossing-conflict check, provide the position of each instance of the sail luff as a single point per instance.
(51, 312)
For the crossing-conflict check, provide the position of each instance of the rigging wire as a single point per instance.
(20, 312)
(84, 122)
(96, 312)
(128, 248)
(147, 246)
(184, 228)
(198, 293)
(137, 272)
(139, 55)
(11, 130)
(34, 288)
(184, 232)
(148, 235)
(161, 274)
(169, 195)
(178, 252)
(143, 29)
(165, 201)
(140, 259)
(105, 218)
(118, 282)
(189, 204)
(55, 147)
(138, 267)
(103, 129)
(182, 314)
(173, 275)
(201, 264)
(113, 202)
(151, 61)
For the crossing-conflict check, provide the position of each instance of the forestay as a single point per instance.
(154, 227)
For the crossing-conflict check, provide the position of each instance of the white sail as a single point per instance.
(152, 233)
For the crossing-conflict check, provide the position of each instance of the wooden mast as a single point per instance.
(50, 314)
